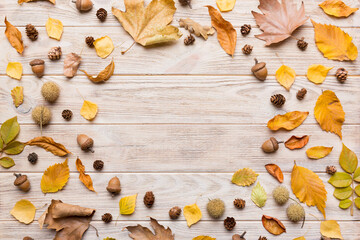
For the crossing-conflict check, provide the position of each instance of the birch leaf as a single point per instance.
(14, 70)
(127, 204)
(49, 145)
(89, 110)
(348, 160)
(244, 177)
(25, 1)
(337, 8)
(225, 5)
(14, 37)
(24, 211)
(55, 177)
(288, 121)
(84, 178)
(317, 73)
(258, 195)
(330, 229)
(104, 75)
(192, 214)
(295, 142)
(17, 94)
(104, 46)
(285, 76)
(7, 162)
(54, 28)
(9, 130)
(318, 152)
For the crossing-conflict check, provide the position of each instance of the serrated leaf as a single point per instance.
(89, 110)
(84, 178)
(55, 177)
(14, 70)
(348, 160)
(192, 214)
(357, 175)
(330, 229)
(104, 46)
(357, 202)
(24, 211)
(340, 179)
(337, 8)
(273, 225)
(295, 142)
(17, 94)
(285, 76)
(14, 37)
(258, 195)
(49, 145)
(288, 121)
(7, 162)
(14, 148)
(104, 75)
(317, 73)
(127, 204)
(54, 28)
(343, 193)
(345, 204)
(244, 177)
(318, 152)
(9, 130)
(143, 233)
(202, 237)
(357, 190)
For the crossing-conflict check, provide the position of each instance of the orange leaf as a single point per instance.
(226, 34)
(296, 142)
(14, 37)
(273, 225)
(318, 152)
(49, 145)
(84, 178)
(337, 8)
(275, 171)
(288, 121)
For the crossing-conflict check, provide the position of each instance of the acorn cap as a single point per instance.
(37, 62)
(20, 180)
(258, 66)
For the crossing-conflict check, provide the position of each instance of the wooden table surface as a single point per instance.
(176, 120)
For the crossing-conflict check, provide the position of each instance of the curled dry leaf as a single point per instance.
(196, 28)
(25, 1)
(273, 225)
(226, 34)
(318, 152)
(84, 178)
(337, 8)
(14, 70)
(244, 177)
(295, 142)
(89, 110)
(104, 46)
(275, 171)
(317, 73)
(54, 28)
(17, 94)
(285, 76)
(55, 177)
(127, 204)
(71, 64)
(330, 229)
(49, 145)
(143, 233)
(14, 37)
(288, 121)
(24, 211)
(104, 75)
(192, 214)
(258, 195)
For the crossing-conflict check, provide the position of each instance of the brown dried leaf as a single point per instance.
(14, 37)
(275, 171)
(84, 178)
(71, 64)
(49, 145)
(273, 225)
(196, 28)
(295, 142)
(25, 1)
(143, 233)
(104, 75)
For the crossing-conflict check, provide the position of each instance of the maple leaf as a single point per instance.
(278, 21)
(143, 233)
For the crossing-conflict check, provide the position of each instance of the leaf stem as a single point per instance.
(123, 52)
(352, 197)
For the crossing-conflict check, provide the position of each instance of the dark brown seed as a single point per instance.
(229, 223)
(90, 41)
(239, 203)
(245, 29)
(107, 217)
(331, 170)
(149, 199)
(301, 94)
(98, 165)
(302, 44)
(278, 100)
(67, 114)
(175, 212)
(341, 75)
(101, 14)
(247, 49)
(33, 157)
(28, 238)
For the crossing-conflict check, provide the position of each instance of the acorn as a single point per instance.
(239, 237)
(271, 145)
(22, 182)
(84, 5)
(114, 186)
(85, 142)
(259, 70)
(38, 67)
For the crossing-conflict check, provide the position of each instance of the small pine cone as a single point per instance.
(229, 223)
(28, 238)
(239, 203)
(107, 217)
(278, 100)
(98, 165)
(31, 32)
(262, 238)
(101, 14)
(302, 44)
(301, 94)
(67, 114)
(341, 75)
(331, 170)
(189, 40)
(175, 212)
(247, 49)
(55, 53)
(185, 2)
(245, 29)
(90, 41)
(149, 199)
(33, 157)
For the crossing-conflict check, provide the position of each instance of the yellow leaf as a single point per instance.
(127, 204)
(329, 113)
(24, 211)
(17, 94)
(104, 46)
(300, 238)
(14, 70)
(318, 152)
(334, 43)
(258, 195)
(330, 229)
(54, 28)
(14, 37)
(317, 73)
(84, 178)
(244, 177)
(104, 75)
(148, 26)
(308, 188)
(202, 237)
(285, 76)
(49, 145)
(288, 121)
(192, 214)
(25, 1)
(225, 5)
(89, 110)
(55, 177)
(337, 8)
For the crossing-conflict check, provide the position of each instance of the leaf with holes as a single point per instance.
(54, 28)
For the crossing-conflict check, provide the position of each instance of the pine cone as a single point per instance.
(175, 212)
(262, 238)
(278, 100)
(55, 53)
(239, 203)
(98, 165)
(341, 75)
(90, 41)
(247, 49)
(101, 14)
(149, 199)
(301, 94)
(185, 3)
(245, 29)
(67, 114)
(107, 217)
(33, 157)
(229, 223)
(31, 32)
(302, 44)
(331, 170)
(189, 40)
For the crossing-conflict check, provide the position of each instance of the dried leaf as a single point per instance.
(9, 130)
(225, 5)
(308, 188)
(357, 190)
(14, 148)
(288, 121)
(150, 25)
(258, 195)
(196, 28)
(343, 193)
(317, 73)
(49, 145)
(285, 76)
(337, 8)
(345, 204)
(330, 229)
(104, 75)
(357, 202)
(71, 64)
(300, 238)
(334, 43)
(192, 214)
(318, 152)
(14, 37)
(17, 93)
(226, 34)
(275, 171)
(127, 204)
(340, 180)
(104, 46)
(54, 28)
(14, 70)
(7, 162)
(55, 177)
(143, 233)
(202, 237)
(25, 1)
(278, 21)
(244, 177)
(84, 178)
(295, 142)
(89, 110)
(348, 160)
(329, 113)
(24, 211)
(357, 175)
(273, 225)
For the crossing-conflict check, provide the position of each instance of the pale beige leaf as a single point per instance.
(196, 28)
(17, 93)
(71, 64)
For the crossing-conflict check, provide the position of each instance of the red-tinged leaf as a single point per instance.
(273, 225)
(295, 142)
(275, 171)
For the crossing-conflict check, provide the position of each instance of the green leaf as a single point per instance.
(357, 190)
(348, 160)
(343, 193)
(357, 175)
(340, 179)
(345, 204)
(258, 195)
(9, 130)
(14, 148)
(1, 143)
(7, 162)
(244, 177)
(109, 238)
(357, 202)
